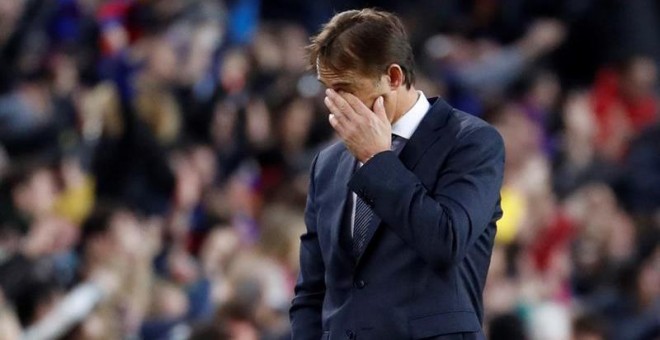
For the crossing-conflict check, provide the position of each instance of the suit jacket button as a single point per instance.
(359, 284)
(350, 334)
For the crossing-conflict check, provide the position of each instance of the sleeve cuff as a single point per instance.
(376, 176)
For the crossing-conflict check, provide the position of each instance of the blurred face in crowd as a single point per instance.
(294, 39)
(521, 136)
(234, 71)
(268, 54)
(37, 195)
(546, 90)
(200, 52)
(163, 60)
(639, 78)
(121, 237)
(296, 123)
(10, 12)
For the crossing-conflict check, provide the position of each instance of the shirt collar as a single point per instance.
(407, 124)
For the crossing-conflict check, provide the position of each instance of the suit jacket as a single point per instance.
(424, 268)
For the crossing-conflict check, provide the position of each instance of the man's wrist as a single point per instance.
(372, 156)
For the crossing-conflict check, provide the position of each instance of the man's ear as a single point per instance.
(396, 76)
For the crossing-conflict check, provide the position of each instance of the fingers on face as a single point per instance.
(343, 116)
(345, 103)
(344, 107)
(338, 126)
(356, 104)
(379, 108)
(336, 117)
(336, 113)
(346, 111)
(333, 120)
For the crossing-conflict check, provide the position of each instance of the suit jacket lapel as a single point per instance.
(425, 134)
(345, 166)
(421, 140)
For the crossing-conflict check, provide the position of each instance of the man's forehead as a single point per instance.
(324, 73)
(329, 77)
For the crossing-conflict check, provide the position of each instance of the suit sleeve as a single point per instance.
(443, 224)
(305, 312)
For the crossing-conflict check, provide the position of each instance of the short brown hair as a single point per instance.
(367, 41)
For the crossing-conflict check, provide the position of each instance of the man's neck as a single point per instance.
(406, 101)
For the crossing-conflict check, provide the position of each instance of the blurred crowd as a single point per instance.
(154, 161)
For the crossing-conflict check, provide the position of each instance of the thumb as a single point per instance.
(379, 109)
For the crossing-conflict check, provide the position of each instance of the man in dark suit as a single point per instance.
(401, 213)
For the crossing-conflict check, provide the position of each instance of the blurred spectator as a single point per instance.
(482, 69)
(642, 177)
(624, 104)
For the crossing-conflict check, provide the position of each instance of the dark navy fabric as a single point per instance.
(424, 265)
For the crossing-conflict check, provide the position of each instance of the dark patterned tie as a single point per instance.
(363, 213)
